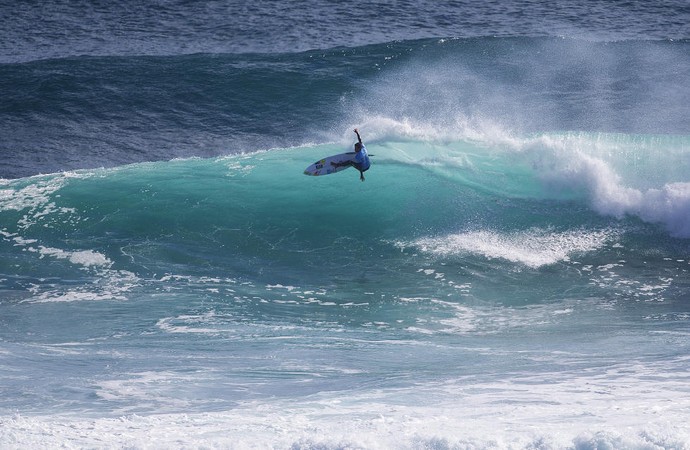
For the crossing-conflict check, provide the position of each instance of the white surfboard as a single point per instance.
(324, 166)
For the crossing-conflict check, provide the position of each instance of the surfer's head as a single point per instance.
(358, 146)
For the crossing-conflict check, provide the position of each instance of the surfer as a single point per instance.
(361, 161)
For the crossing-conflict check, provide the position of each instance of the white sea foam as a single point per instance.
(112, 285)
(595, 165)
(620, 407)
(143, 389)
(460, 319)
(85, 258)
(192, 324)
(31, 196)
(535, 247)
(35, 197)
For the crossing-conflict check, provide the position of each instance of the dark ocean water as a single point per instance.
(512, 274)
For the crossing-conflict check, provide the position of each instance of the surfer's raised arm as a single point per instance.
(358, 136)
(359, 159)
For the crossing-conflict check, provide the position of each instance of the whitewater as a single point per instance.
(513, 273)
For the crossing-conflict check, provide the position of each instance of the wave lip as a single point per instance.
(670, 206)
(585, 163)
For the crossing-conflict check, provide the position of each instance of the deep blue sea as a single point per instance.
(514, 273)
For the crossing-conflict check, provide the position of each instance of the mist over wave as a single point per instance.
(532, 85)
(108, 111)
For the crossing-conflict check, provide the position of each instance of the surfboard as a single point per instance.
(324, 166)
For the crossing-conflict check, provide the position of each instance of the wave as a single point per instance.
(461, 172)
(165, 261)
(88, 112)
(534, 201)
(463, 253)
(383, 419)
(616, 175)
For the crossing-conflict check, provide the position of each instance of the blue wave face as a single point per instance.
(522, 204)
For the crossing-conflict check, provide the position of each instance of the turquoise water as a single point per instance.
(458, 273)
(513, 273)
